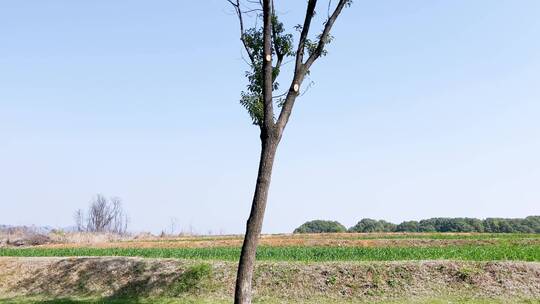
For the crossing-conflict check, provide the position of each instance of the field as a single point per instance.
(307, 254)
(311, 247)
(311, 268)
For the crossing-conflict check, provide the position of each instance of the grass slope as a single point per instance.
(138, 280)
(215, 301)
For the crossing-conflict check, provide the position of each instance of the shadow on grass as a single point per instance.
(73, 301)
(150, 300)
(130, 281)
(57, 301)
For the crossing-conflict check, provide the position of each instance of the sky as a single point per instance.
(421, 109)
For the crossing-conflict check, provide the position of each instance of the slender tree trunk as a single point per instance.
(254, 224)
(271, 130)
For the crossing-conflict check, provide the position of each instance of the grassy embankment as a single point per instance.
(213, 301)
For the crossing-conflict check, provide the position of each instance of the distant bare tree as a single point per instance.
(79, 220)
(103, 216)
(174, 224)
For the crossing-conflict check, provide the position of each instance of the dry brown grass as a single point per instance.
(109, 240)
(62, 277)
(74, 240)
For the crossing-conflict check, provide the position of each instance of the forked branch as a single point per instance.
(301, 68)
(325, 36)
(262, 46)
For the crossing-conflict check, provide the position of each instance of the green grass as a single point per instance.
(265, 301)
(451, 236)
(196, 278)
(309, 254)
(113, 301)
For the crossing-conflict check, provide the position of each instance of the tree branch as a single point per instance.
(268, 81)
(301, 69)
(310, 12)
(325, 34)
(279, 54)
(238, 11)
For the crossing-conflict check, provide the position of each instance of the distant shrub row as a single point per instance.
(530, 224)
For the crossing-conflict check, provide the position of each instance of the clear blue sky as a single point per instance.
(421, 109)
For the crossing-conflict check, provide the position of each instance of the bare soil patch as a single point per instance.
(328, 240)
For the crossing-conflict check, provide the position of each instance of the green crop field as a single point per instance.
(448, 236)
(515, 252)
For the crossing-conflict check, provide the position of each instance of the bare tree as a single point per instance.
(119, 220)
(79, 220)
(266, 47)
(103, 216)
(173, 225)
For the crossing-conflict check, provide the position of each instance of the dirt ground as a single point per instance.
(334, 240)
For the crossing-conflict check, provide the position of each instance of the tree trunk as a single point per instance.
(254, 224)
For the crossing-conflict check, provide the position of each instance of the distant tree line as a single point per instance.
(320, 226)
(530, 224)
